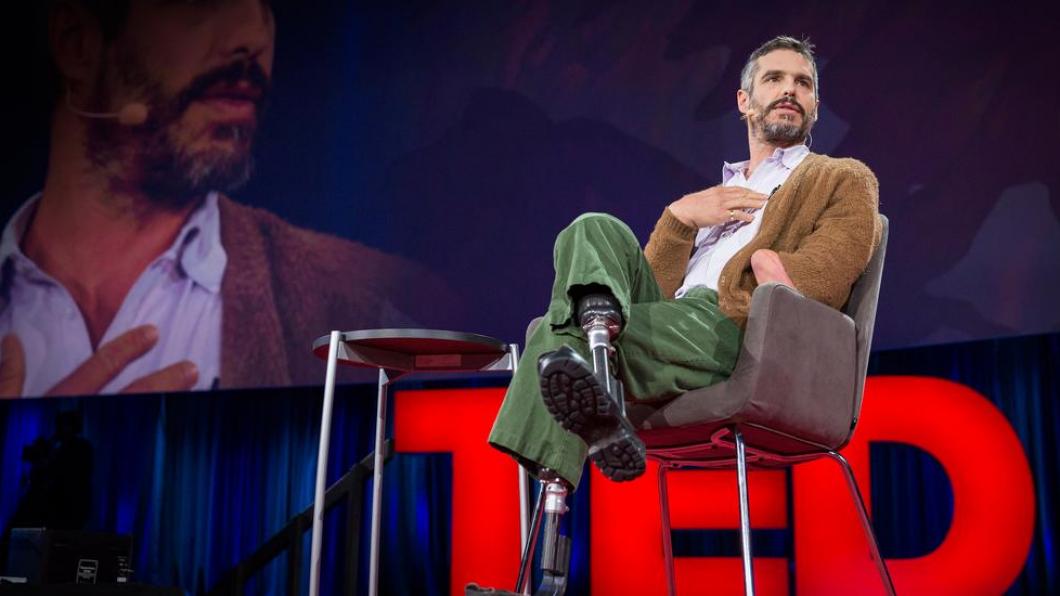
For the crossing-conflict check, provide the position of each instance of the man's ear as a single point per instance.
(742, 102)
(76, 43)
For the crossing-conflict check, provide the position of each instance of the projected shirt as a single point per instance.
(179, 293)
(715, 245)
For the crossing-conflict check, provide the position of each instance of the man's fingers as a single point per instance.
(717, 205)
(745, 203)
(176, 377)
(754, 198)
(740, 191)
(12, 366)
(110, 359)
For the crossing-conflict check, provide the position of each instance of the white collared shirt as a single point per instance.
(179, 293)
(711, 254)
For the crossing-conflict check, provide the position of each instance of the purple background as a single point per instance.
(466, 135)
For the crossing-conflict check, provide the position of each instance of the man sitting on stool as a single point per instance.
(669, 319)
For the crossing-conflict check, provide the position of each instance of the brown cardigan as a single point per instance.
(823, 222)
(285, 286)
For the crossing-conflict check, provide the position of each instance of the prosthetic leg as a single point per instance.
(601, 320)
(587, 402)
(555, 553)
(555, 547)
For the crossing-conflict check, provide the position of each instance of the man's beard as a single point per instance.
(150, 156)
(782, 133)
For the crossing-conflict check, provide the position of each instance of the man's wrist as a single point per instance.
(678, 213)
(673, 221)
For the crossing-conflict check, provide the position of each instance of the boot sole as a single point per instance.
(575, 398)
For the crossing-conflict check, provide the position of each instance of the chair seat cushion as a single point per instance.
(796, 375)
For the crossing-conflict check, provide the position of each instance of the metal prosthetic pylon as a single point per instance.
(555, 547)
(601, 318)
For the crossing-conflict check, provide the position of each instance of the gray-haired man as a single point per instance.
(673, 313)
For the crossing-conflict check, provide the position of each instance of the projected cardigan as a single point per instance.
(822, 222)
(285, 286)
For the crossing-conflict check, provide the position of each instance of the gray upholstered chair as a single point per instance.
(794, 396)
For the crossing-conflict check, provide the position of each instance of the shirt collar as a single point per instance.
(12, 237)
(789, 157)
(197, 248)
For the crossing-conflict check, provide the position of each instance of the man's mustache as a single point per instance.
(785, 101)
(248, 71)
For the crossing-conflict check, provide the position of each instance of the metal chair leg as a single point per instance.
(863, 514)
(667, 540)
(745, 515)
(522, 583)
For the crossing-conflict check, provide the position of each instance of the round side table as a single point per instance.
(395, 353)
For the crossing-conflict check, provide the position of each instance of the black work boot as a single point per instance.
(582, 405)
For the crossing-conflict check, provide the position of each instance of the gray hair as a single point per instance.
(781, 42)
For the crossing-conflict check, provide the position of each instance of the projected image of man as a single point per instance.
(131, 270)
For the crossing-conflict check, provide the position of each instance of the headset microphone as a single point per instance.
(131, 114)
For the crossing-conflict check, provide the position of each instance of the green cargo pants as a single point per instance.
(666, 347)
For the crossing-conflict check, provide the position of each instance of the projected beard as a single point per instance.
(157, 156)
(783, 132)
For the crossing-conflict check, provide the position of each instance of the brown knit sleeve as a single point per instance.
(828, 261)
(668, 250)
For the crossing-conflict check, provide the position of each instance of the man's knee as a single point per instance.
(600, 223)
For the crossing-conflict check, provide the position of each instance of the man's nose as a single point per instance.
(246, 28)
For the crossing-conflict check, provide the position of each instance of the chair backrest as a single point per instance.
(861, 307)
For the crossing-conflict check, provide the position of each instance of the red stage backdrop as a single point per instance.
(983, 551)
